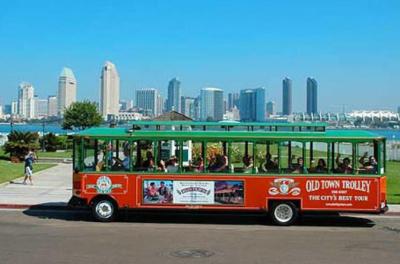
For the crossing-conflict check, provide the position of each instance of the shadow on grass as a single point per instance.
(58, 212)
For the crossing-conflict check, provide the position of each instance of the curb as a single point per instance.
(36, 207)
(66, 207)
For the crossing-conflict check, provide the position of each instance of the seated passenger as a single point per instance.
(148, 164)
(320, 168)
(299, 167)
(248, 164)
(344, 166)
(161, 166)
(369, 166)
(119, 164)
(172, 165)
(269, 164)
(199, 167)
(221, 163)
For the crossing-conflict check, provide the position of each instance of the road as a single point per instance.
(34, 236)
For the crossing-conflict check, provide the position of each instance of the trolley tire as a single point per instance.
(104, 210)
(284, 213)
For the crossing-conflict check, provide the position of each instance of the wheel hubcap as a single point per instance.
(283, 213)
(104, 209)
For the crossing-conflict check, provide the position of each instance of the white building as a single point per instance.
(52, 105)
(188, 106)
(150, 101)
(14, 108)
(26, 101)
(40, 108)
(109, 90)
(211, 104)
(66, 90)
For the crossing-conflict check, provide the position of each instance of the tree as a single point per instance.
(19, 143)
(81, 115)
(51, 142)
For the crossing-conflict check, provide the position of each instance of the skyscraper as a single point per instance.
(174, 96)
(312, 96)
(252, 105)
(26, 100)
(66, 90)
(233, 100)
(14, 108)
(41, 110)
(271, 108)
(188, 107)
(149, 100)
(52, 105)
(211, 104)
(287, 96)
(109, 90)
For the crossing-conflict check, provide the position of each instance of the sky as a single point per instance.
(352, 48)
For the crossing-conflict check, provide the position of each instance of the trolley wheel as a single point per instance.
(284, 213)
(104, 210)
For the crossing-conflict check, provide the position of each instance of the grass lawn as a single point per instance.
(40, 154)
(10, 171)
(393, 181)
(66, 154)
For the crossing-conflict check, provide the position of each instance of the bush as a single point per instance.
(19, 143)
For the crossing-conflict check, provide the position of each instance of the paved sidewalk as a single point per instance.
(50, 187)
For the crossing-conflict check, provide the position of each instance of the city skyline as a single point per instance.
(352, 55)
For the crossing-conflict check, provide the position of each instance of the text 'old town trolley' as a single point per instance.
(280, 168)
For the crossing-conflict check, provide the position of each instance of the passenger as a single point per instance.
(269, 164)
(212, 162)
(344, 166)
(299, 167)
(320, 168)
(149, 162)
(161, 166)
(172, 165)
(248, 164)
(221, 163)
(200, 166)
(369, 166)
(124, 164)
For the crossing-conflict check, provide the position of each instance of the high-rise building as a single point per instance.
(7, 109)
(66, 90)
(287, 96)
(14, 107)
(398, 110)
(174, 96)
(271, 108)
(233, 100)
(312, 96)
(252, 105)
(109, 90)
(52, 106)
(211, 104)
(188, 107)
(148, 100)
(41, 108)
(197, 106)
(160, 105)
(26, 101)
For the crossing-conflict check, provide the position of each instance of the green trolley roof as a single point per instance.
(327, 136)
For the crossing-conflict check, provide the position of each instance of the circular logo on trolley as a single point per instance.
(103, 184)
(284, 188)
